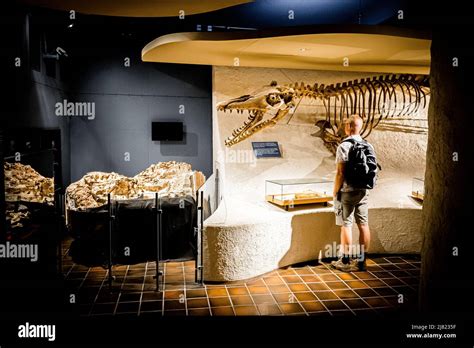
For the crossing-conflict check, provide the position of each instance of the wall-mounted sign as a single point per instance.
(264, 149)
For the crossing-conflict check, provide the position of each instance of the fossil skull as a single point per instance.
(265, 108)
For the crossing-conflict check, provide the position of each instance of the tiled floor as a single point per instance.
(390, 285)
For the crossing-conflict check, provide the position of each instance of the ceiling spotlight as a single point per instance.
(70, 25)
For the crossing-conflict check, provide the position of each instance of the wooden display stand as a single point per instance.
(417, 195)
(298, 199)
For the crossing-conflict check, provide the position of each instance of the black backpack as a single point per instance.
(361, 168)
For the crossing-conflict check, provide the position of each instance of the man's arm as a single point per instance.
(339, 178)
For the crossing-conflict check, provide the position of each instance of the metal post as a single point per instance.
(111, 220)
(60, 221)
(196, 233)
(158, 212)
(199, 258)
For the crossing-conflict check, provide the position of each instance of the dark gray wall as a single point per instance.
(127, 100)
(32, 94)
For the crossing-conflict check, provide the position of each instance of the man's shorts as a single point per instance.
(353, 203)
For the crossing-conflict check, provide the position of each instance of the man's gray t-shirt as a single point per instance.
(342, 156)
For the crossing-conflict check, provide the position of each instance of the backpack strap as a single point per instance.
(353, 141)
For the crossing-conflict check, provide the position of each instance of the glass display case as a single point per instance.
(288, 193)
(418, 188)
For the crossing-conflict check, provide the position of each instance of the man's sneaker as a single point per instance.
(362, 266)
(345, 267)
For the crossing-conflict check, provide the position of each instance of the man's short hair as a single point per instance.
(355, 122)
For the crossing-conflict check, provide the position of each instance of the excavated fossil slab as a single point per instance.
(23, 183)
(169, 179)
(18, 217)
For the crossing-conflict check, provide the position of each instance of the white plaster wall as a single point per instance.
(247, 236)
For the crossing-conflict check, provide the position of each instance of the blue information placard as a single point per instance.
(265, 149)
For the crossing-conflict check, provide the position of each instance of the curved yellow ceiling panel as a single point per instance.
(372, 52)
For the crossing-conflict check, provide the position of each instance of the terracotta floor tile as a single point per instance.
(357, 284)
(255, 283)
(173, 279)
(305, 296)
(174, 304)
(195, 293)
(238, 291)
(245, 310)
(275, 289)
(268, 309)
(374, 268)
(313, 306)
(365, 292)
(103, 308)
(329, 277)
(364, 275)
(374, 283)
(258, 299)
(376, 302)
(289, 308)
(393, 282)
(285, 297)
(222, 311)
(311, 278)
(199, 312)
(258, 290)
(215, 292)
(241, 300)
(344, 294)
(356, 303)
(174, 294)
(336, 285)
(151, 306)
(320, 270)
(385, 291)
(326, 295)
(304, 271)
(127, 307)
(292, 279)
(413, 281)
(346, 276)
(273, 280)
(298, 287)
(219, 301)
(130, 297)
(197, 303)
(382, 274)
(287, 272)
(132, 287)
(392, 300)
(318, 286)
(107, 297)
(335, 305)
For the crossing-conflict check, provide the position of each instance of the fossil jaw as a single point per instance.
(253, 124)
(254, 117)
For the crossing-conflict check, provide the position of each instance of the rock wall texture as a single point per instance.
(448, 204)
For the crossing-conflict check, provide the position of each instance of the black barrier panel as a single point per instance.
(134, 232)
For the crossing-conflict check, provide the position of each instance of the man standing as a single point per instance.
(355, 174)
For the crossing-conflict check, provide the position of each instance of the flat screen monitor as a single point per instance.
(167, 131)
